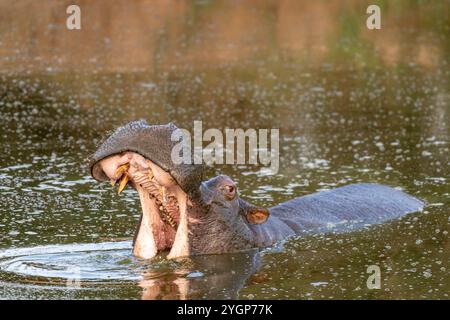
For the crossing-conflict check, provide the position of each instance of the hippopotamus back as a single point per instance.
(365, 203)
(345, 208)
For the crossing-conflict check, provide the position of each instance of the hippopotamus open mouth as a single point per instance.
(188, 216)
(180, 213)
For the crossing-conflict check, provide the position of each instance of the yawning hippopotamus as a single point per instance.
(189, 216)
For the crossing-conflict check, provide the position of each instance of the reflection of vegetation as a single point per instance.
(158, 35)
(348, 44)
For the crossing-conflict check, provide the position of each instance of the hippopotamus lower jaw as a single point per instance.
(164, 219)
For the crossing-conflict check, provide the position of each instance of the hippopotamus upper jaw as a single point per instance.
(154, 143)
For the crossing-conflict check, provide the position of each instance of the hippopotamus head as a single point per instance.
(180, 212)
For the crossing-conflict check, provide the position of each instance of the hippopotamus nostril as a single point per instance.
(229, 191)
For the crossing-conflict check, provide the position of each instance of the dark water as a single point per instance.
(350, 106)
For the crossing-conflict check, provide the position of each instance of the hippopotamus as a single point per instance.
(185, 214)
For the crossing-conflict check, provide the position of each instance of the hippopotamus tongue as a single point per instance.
(154, 143)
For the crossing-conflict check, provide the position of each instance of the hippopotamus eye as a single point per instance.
(229, 191)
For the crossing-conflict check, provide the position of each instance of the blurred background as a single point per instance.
(352, 105)
(157, 36)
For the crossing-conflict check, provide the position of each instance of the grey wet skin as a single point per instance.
(209, 217)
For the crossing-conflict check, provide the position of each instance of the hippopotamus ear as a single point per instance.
(257, 215)
(252, 213)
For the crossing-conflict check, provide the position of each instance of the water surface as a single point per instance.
(352, 106)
